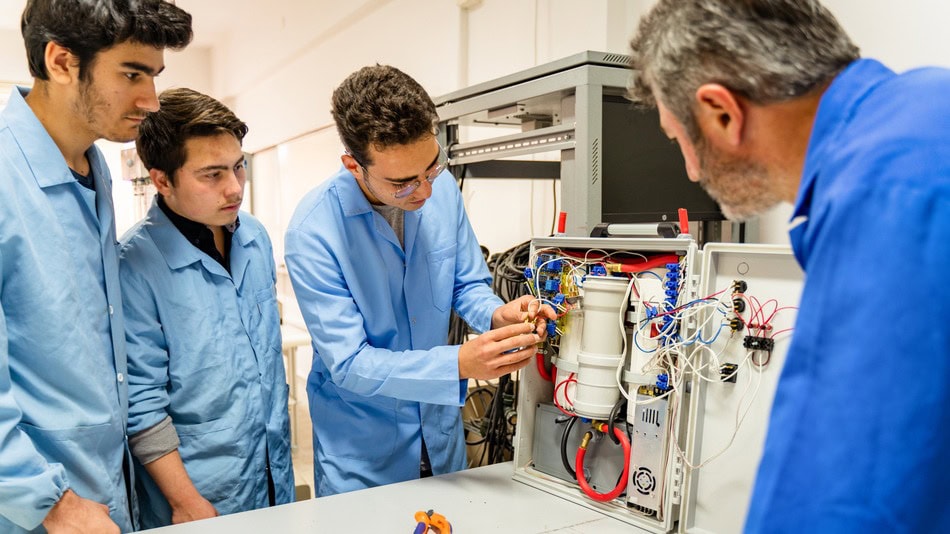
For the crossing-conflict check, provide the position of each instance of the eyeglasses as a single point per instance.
(405, 189)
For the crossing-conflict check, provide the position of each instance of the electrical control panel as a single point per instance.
(649, 400)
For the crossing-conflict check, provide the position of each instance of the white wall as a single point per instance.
(13, 66)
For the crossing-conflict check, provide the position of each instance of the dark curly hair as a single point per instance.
(184, 114)
(86, 27)
(384, 106)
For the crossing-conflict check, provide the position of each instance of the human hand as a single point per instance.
(498, 352)
(75, 515)
(524, 309)
(192, 510)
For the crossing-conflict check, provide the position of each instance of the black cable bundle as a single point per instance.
(498, 422)
(498, 445)
(508, 271)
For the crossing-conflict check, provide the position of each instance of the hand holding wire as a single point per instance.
(498, 352)
(525, 309)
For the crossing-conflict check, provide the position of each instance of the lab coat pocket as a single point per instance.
(213, 453)
(80, 449)
(441, 266)
(348, 425)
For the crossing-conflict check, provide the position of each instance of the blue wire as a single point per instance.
(635, 342)
(715, 337)
(658, 277)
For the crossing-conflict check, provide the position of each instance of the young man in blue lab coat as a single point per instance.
(207, 391)
(63, 396)
(769, 101)
(379, 255)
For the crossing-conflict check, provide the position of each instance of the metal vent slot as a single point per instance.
(651, 417)
(595, 161)
(617, 58)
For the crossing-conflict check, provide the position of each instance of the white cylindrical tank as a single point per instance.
(601, 346)
(566, 363)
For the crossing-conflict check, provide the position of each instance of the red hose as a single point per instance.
(622, 485)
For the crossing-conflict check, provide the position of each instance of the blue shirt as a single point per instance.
(63, 396)
(860, 427)
(378, 315)
(205, 349)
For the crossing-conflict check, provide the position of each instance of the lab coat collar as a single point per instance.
(179, 253)
(354, 203)
(352, 199)
(45, 159)
(241, 243)
(834, 113)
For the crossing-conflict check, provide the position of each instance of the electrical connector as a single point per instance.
(552, 328)
(598, 270)
(728, 372)
(528, 273)
(736, 325)
(758, 343)
(739, 286)
(738, 305)
(663, 381)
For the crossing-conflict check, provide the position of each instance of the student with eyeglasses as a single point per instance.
(379, 256)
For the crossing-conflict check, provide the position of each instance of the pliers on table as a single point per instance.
(429, 520)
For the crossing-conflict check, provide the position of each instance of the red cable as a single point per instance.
(557, 404)
(545, 374)
(622, 485)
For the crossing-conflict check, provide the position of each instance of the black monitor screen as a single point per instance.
(644, 175)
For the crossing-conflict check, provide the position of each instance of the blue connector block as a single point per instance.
(671, 293)
(663, 382)
(552, 285)
(598, 270)
(554, 266)
(651, 312)
(558, 299)
(552, 328)
(672, 267)
(671, 284)
(528, 273)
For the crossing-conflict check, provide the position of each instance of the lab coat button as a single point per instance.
(120, 377)
(110, 309)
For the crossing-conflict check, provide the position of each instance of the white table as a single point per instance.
(292, 337)
(475, 501)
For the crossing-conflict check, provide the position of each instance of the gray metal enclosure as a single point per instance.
(616, 165)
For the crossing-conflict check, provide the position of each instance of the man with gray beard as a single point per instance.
(770, 102)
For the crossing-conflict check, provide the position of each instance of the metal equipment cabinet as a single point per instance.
(616, 166)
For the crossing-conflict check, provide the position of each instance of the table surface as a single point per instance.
(480, 500)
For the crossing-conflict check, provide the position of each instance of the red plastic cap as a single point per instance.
(561, 222)
(684, 221)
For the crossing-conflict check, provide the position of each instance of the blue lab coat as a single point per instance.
(378, 316)
(63, 395)
(859, 435)
(205, 349)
